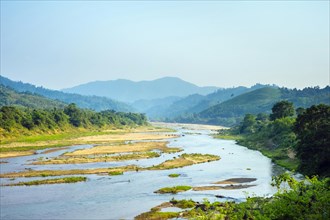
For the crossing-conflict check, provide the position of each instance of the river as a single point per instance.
(125, 196)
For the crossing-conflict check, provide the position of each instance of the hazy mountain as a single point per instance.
(91, 102)
(261, 100)
(9, 96)
(129, 91)
(196, 103)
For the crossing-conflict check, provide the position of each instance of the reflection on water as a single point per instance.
(125, 196)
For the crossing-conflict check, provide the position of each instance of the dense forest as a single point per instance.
(22, 120)
(294, 138)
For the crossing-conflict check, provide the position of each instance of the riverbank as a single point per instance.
(28, 145)
(282, 157)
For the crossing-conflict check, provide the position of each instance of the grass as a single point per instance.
(73, 179)
(173, 190)
(115, 173)
(183, 204)
(156, 215)
(174, 175)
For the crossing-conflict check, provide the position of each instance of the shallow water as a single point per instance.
(125, 196)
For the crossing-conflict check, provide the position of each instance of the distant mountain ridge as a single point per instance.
(90, 102)
(130, 91)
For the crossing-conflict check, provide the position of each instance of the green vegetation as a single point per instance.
(115, 173)
(300, 143)
(173, 190)
(312, 129)
(183, 204)
(174, 175)
(73, 179)
(232, 111)
(305, 199)
(11, 97)
(157, 215)
(16, 121)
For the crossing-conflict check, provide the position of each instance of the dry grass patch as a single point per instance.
(73, 179)
(85, 159)
(125, 148)
(185, 160)
(44, 173)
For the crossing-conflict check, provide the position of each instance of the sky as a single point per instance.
(60, 44)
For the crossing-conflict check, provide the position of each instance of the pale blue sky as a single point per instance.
(60, 44)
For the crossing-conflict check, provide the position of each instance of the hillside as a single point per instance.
(90, 102)
(11, 97)
(196, 103)
(129, 91)
(261, 100)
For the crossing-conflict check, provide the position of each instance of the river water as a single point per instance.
(125, 196)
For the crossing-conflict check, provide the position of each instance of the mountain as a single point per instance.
(130, 91)
(11, 97)
(91, 102)
(261, 100)
(196, 103)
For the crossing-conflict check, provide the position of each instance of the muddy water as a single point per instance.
(123, 197)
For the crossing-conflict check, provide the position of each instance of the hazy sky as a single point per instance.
(60, 44)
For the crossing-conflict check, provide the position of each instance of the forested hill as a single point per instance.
(11, 97)
(91, 102)
(261, 100)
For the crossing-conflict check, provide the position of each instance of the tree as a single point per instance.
(248, 124)
(313, 149)
(75, 114)
(282, 109)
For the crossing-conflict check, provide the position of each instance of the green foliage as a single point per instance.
(305, 199)
(183, 204)
(282, 109)
(174, 175)
(22, 120)
(115, 173)
(173, 190)
(313, 149)
(9, 96)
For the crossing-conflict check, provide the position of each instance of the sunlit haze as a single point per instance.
(60, 44)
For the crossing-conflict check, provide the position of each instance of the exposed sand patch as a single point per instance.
(124, 148)
(16, 154)
(124, 137)
(229, 187)
(54, 150)
(236, 180)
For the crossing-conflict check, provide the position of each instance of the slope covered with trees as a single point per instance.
(11, 97)
(91, 102)
(261, 100)
(297, 141)
(19, 120)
